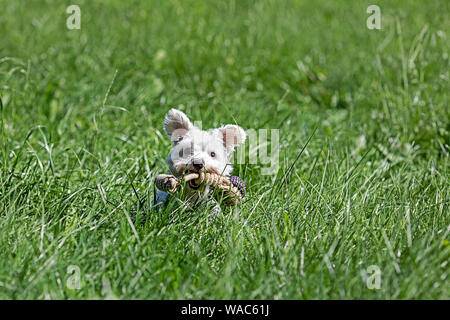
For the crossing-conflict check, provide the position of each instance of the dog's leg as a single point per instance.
(160, 199)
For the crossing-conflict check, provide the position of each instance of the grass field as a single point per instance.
(82, 140)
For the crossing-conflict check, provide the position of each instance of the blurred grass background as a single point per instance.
(82, 139)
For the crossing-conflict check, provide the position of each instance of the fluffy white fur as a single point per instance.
(212, 147)
(195, 150)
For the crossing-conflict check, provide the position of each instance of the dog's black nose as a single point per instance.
(198, 164)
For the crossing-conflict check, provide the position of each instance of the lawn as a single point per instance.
(359, 208)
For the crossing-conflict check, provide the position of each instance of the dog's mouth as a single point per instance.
(192, 183)
(190, 169)
(193, 186)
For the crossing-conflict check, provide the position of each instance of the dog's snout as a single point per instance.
(198, 163)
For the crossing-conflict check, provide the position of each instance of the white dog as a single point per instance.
(195, 150)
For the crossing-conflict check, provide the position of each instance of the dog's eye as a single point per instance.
(213, 154)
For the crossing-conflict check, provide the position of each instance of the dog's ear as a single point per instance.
(176, 124)
(232, 136)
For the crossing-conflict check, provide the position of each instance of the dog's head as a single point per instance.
(196, 150)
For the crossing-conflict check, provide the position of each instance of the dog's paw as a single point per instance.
(167, 182)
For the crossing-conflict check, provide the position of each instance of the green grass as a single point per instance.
(82, 140)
